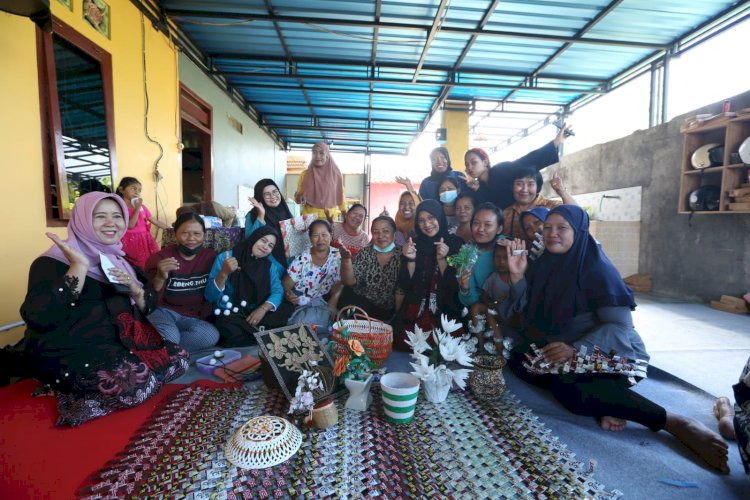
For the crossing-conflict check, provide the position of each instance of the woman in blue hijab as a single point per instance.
(574, 298)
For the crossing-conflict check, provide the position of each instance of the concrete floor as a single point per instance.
(702, 346)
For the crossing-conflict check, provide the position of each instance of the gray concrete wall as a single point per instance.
(694, 259)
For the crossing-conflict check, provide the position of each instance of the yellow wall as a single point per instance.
(456, 124)
(22, 190)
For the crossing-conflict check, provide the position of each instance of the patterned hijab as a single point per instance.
(82, 237)
(581, 280)
(322, 186)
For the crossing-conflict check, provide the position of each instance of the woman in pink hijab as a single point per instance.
(87, 338)
(321, 185)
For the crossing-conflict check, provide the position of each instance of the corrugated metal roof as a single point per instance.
(368, 75)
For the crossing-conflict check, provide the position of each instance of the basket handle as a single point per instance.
(361, 314)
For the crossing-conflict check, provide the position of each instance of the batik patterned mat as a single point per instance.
(462, 448)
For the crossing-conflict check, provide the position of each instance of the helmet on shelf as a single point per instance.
(745, 151)
(705, 198)
(707, 155)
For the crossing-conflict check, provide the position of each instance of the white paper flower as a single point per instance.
(459, 377)
(422, 369)
(418, 340)
(449, 325)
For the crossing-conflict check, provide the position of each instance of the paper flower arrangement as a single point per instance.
(356, 363)
(304, 397)
(432, 361)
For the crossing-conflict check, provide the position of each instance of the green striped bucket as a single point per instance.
(399, 391)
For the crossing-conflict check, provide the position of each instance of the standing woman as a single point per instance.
(429, 284)
(405, 216)
(179, 274)
(440, 160)
(321, 185)
(250, 279)
(371, 282)
(575, 297)
(269, 208)
(311, 277)
(87, 337)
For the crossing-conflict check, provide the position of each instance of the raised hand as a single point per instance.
(406, 182)
(73, 255)
(410, 250)
(291, 296)
(137, 202)
(563, 134)
(329, 217)
(517, 262)
(124, 278)
(230, 264)
(441, 249)
(345, 253)
(258, 206)
(165, 266)
(473, 184)
(557, 184)
(385, 212)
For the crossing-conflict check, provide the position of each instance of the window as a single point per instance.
(75, 82)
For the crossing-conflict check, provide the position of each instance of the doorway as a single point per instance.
(195, 125)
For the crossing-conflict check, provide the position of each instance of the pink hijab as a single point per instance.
(322, 187)
(81, 236)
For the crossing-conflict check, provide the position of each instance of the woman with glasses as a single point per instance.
(269, 208)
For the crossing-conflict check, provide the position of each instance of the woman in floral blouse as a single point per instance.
(311, 277)
(371, 280)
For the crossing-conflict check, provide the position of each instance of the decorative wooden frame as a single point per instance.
(306, 347)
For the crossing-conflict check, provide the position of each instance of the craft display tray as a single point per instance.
(204, 364)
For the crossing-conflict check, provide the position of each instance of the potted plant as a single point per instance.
(432, 361)
(355, 369)
(310, 384)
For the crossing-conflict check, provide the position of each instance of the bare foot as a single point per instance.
(612, 423)
(724, 412)
(705, 443)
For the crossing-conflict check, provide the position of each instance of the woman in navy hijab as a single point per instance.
(574, 298)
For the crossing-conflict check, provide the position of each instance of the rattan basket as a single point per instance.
(263, 442)
(374, 335)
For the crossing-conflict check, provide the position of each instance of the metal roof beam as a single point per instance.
(442, 11)
(339, 117)
(373, 57)
(288, 55)
(187, 13)
(448, 83)
(348, 130)
(337, 91)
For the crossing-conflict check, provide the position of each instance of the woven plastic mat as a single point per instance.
(462, 448)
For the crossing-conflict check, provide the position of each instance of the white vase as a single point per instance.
(359, 393)
(436, 392)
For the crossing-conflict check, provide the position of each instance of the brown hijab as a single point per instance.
(404, 225)
(322, 186)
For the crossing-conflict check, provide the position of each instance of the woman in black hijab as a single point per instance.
(429, 285)
(575, 299)
(269, 208)
(248, 279)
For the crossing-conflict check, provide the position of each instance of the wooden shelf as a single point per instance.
(728, 176)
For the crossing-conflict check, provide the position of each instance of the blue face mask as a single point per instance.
(384, 249)
(448, 197)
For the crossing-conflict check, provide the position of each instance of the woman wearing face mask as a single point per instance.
(574, 298)
(441, 169)
(321, 185)
(249, 278)
(179, 274)
(429, 284)
(370, 282)
(447, 193)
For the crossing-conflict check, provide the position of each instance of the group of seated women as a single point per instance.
(104, 335)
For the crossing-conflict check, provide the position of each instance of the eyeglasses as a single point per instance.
(271, 194)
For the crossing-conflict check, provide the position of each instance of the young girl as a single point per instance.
(138, 243)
